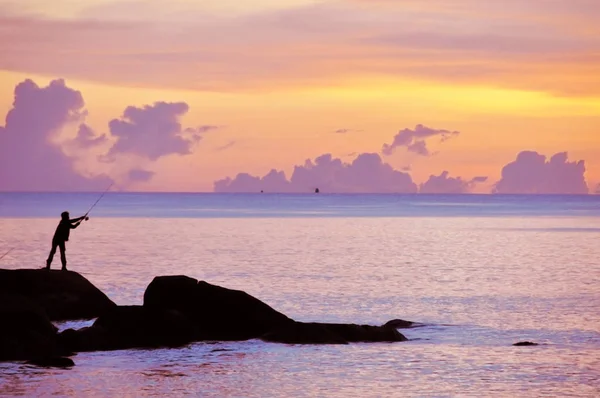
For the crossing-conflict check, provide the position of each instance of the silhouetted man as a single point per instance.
(61, 236)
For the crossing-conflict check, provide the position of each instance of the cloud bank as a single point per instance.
(530, 173)
(444, 184)
(415, 140)
(33, 159)
(535, 45)
(367, 173)
(30, 159)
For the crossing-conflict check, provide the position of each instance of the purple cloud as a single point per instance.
(530, 173)
(225, 147)
(367, 173)
(87, 138)
(415, 140)
(346, 131)
(480, 179)
(153, 131)
(274, 181)
(203, 129)
(140, 175)
(443, 184)
(29, 159)
(357, 36)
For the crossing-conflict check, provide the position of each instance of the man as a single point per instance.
(61, 236)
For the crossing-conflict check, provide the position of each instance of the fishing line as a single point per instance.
(98, 200)
(6, 254)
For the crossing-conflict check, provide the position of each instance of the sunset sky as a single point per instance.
(177, 97)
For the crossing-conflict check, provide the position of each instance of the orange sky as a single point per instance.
(279, 81)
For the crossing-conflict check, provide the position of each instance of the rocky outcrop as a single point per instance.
(63, 295)
(216, 312)
(131, 327)
(177, 310)
(26, 333)
(402, 324)
(332, 333)
(525, 344)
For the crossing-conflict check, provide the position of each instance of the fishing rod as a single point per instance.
(6, 254)
(101, 196)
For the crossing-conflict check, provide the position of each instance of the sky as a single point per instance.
(438, 96)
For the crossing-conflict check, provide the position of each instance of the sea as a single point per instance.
(481, 272)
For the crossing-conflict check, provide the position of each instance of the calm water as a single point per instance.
(482, 271)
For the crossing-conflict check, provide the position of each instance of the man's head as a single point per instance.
(64, 215)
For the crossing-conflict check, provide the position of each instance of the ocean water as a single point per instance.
(482, 272)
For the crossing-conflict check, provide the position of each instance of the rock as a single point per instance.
(402, 324)
(332, 333)
(126, 327)
(52, 362)
(217, 313)
(25, 331)
(524, 344)
(304, 333)
(64, 295)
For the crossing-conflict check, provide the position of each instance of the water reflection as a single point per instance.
(480, 284)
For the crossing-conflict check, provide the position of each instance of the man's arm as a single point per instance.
(73, 226)
(78, 219)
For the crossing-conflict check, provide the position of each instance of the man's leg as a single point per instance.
(63, 255)
(51, 255)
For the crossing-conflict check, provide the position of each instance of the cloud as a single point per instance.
(203, 129)
(226, 146)
(30, 158)
(468, 41)
(598, 189)
(367, 173)
(443, 184)
(153, 131)
(530, 173)
(140, 175)
(87, 138)
(480, 179)
(274, 181)
(415, 140)
(346, 131)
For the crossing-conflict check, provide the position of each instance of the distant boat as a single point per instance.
(317, 190)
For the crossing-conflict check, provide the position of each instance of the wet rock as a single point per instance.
(25, 330)
(524, 344)
(63, 295)
(52, 362)
(304, 333)
(332, 333)
(401, 324)
(126, 327)
(216, 312)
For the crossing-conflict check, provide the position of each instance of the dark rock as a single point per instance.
(52, 362)
(304, 333)
(401, 324)
(25, 331)
(332, 333)
(131, 327)
(524, 344)
(64, 295)
(217, 313)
